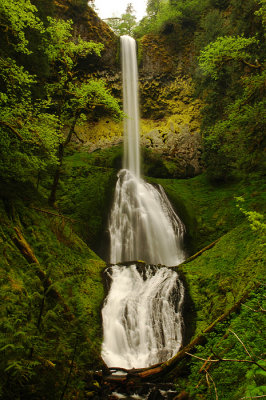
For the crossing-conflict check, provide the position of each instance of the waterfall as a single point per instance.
(130, 105)
(142, 314)
(143, 224)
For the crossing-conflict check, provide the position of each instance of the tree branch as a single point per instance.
(208, 375)
(252, 65)
(75, 133)
(209, 360)
(238, 338)
(12, 129)
(54, 214)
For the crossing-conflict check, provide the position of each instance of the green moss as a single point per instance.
(38, 339)
(86, 190)
(220, 276)
(170, 96)
(104, 129)
(210, 211)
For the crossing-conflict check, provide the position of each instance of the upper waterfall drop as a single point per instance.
(130, 105)
(143, 224)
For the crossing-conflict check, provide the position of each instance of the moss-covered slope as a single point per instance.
(51, 297)
(209, 211)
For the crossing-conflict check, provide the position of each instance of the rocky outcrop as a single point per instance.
(89, 26)
(180, 151)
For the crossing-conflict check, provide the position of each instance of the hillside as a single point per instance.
(201, 72)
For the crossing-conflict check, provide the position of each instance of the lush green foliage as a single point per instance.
(227, 39)
(39, 338)
(222, 50)
(37, 107)
(125, 24)
(232, 87)
(163, 16)
(209, 211)
(89, 203)
(239, 338)
(28, 138)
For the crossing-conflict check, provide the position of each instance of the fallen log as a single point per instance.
(29, 255)
(157, 371)
(54, 214)
(169, 364)
(200, 252)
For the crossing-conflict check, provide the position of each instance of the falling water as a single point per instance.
(130, 105)
(142, 314)
(143, 224)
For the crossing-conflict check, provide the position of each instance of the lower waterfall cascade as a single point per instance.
(142, 316)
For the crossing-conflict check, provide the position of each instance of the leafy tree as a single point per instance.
(158, 18)
(231, 80)
(36, 110)
(124, 25)
(153, 7)
(71, 97)
(261, 12)
(224, 50)
(211, 26)
(27, 129)
(16, 18)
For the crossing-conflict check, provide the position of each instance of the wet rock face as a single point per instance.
(89, 26)
(170, 114)
(155, 56)
(179, 152)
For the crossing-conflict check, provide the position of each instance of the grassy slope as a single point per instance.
(216, 280)
(220, 276)
(210, 211)
(86, 192)
(36, 359)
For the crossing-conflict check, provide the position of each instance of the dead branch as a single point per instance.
(260, 309)
(238, 338)
(28, 253)
(246, 350)
(18, 135)
(257, 65)
(200, 252)
(209, 360)
(54, 214)
(215, 388)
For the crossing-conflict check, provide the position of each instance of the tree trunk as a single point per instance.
(62, 146)
(52, 196)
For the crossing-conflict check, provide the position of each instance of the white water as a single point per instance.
(142, 314)
(130, 105)
(143, 224)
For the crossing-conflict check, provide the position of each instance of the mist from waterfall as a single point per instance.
(142, 314)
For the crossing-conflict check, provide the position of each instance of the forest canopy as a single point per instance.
(42, 91)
